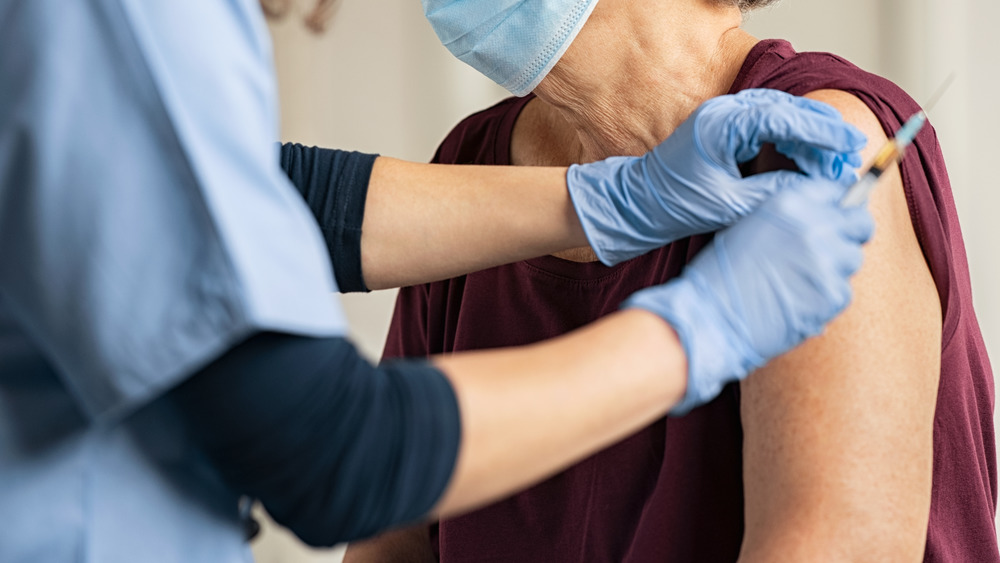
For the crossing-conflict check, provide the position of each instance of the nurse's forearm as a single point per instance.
(391, 223)
(337, 449)
(530, 412)
(427, 222)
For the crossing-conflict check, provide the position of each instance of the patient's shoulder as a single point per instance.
(839, 433)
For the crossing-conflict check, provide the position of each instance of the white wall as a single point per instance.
(378, 81)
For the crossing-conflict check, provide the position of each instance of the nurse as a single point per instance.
(168, 344)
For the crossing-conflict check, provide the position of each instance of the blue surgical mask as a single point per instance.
(514, 42)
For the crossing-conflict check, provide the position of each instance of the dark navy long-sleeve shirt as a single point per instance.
(335, 448)
(335, 185)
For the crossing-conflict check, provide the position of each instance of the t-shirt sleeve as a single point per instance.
(145, 224)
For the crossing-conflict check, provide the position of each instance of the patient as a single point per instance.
(872, 442)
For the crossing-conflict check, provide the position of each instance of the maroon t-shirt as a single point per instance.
(674, 491)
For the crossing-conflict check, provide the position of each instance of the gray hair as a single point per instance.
(747, 5)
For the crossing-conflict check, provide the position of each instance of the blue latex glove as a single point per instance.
(691, 182)
(763, 285)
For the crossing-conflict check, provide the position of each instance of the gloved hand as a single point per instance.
(691, 182)
(763, 285)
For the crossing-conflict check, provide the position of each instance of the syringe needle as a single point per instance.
(892, 151)
(939, 93)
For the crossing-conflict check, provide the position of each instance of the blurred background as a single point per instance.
(379, 81)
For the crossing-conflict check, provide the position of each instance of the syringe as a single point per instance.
(892, 152)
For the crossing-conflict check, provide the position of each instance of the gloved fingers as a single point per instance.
(805, 201)
(817, 205)
(836, 236)
(793, 195)
(838, 166)
(758, 188)
(859, 225)
(839, 294)
(847, 256)
(788, 123)
(846, 294)
(831, 293)
(840, 291)
(852, 260)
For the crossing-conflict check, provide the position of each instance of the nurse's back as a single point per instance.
(118, 277)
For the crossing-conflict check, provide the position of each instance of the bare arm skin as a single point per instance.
(838, 433)
(429, 222)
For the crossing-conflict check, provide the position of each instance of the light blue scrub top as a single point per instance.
(145, 227)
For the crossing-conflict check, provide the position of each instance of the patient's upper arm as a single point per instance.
(838, 433)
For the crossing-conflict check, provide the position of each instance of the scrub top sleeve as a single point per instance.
(334, 184)
(145, 224)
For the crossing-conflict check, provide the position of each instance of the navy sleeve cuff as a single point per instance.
(334, 184)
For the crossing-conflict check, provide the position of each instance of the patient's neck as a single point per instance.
(638, 69)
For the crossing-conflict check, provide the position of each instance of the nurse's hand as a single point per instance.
(762, 286)
(691, 183)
